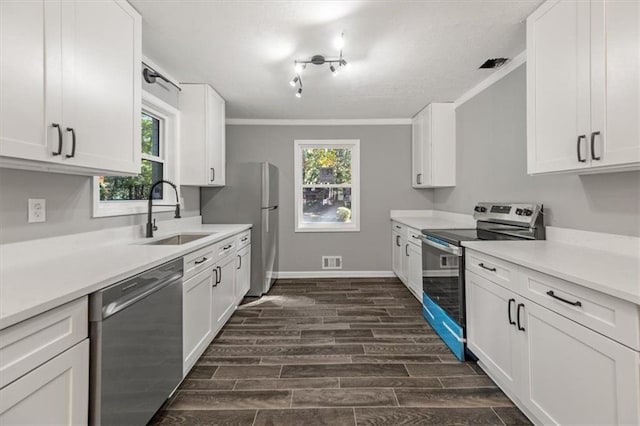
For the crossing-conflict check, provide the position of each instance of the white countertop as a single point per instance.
(432, 219)
(38, 280)
(609, 272)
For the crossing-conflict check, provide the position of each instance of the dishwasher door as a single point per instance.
(137, 354)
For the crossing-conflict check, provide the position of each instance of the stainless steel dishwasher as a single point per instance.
(136, 346)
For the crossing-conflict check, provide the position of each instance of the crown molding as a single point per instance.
(318, 122)
(502, 72)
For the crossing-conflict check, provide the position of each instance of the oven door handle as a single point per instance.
(457, 251)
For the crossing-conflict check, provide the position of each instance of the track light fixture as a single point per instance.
(301, 65)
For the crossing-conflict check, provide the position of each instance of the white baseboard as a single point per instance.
(333, 274)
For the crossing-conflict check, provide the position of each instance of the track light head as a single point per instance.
(343, 63)
(299, 67)
(338, 42)
(294, 81)
(333, 70)
(299, 93)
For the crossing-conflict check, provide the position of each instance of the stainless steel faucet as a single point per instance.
(151, 225)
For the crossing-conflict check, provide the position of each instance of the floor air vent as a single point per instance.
(331, 262)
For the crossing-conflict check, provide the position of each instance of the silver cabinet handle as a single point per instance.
(213, 174)
(398, 240)
(239, 262)
(406, 250)
(419, 178)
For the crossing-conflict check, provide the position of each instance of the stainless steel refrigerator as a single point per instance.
(250, 196)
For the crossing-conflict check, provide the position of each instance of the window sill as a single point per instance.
(353, 228)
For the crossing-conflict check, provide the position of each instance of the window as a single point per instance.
(122, 195)
(327, 185)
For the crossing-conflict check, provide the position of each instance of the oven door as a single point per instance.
(443, 276)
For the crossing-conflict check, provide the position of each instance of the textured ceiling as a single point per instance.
(402, 54)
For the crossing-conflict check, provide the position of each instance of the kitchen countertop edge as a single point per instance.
(20, 314)
(579, 275)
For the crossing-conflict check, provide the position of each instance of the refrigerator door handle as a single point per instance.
(270, 208)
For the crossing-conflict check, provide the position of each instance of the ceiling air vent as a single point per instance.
(494, 63)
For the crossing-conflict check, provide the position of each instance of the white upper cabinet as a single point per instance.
(433, 146)
(70, 83)
(583, 86)
(202, 136)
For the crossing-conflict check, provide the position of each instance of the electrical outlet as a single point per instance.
(37, 210)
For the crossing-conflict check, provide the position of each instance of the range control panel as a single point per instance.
(521, 213)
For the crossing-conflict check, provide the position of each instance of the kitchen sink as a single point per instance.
(176, 240)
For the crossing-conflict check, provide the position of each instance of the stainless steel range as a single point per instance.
(443, 263)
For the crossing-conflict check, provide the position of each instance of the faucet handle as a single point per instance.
(155, 227)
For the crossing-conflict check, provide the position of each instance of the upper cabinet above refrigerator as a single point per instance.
(70, 84)
(202, 136)
(583, 86)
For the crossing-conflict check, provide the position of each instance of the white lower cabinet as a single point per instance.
(396, 253)
(55, 393)
(573, 375)
(491, 335)
(406, 254)
(216, 278)
(223, 296)
(414, 270)
(197, 330)
(243, 273)
(555, 369)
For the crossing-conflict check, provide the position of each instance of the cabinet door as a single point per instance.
(243, 273)
(575, 375)
(417, 174)
(491, 330)
(396, 253)
(404, 261)
(30, 79)
(215, 145)
(101, 51)
(224, 292)
(56, 393)
(615, 82)
(197, 316)
(414, 271)
(558, 102)
(427, 152)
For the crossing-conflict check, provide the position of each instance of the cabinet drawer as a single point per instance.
(243, 239)
(33, 342)
(225, 248)
(398, 227)
(610, 316)
(199, 260)
(493, 269)
(413, 236)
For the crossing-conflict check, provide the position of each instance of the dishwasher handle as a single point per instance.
(124, 302)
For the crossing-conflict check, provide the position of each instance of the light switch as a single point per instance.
(37, 210)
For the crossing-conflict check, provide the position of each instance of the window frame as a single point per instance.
(169, 117)
(354, 146)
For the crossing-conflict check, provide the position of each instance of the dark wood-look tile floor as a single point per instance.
(334, 352)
